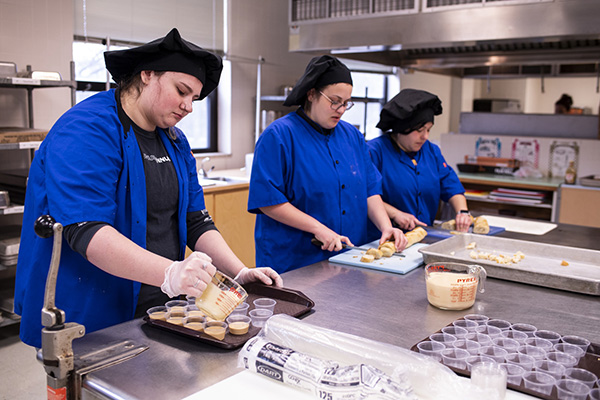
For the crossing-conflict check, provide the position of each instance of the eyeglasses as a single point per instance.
(336, 105)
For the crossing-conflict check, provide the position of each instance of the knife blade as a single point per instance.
(318, 243)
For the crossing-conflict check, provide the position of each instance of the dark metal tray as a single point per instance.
(590, 361)
(289, 301)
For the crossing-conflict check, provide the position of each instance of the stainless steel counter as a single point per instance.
(377, 305)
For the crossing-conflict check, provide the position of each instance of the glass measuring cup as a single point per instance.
(221, 297)
(453, 286)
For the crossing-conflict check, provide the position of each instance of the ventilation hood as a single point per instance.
(495, 39)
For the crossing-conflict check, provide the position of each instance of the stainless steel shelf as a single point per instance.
(13, 209)
(20, 146)
(512, 203)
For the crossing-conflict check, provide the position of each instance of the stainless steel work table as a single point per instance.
(377, 305)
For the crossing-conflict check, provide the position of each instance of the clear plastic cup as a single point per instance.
(265, 303)
(456, 358)
(216, 329)
(259, 317)
(499, 323)
(190, 299)
(525, 328)
(583, 375)
(577, 341)
(242, 309)
(497, 353)
(457, 331)
(238, 324)
(175, 320)
(535, 352)
(221, 297)
(550, 367)
(567, 360)
(193, 314)
(539, 342)
(469, 345)
(491, 331)
(516, 335)
(465, 323)
(510, 345)
(514, 373)
(158, 313)
(548, 335)
(176, 307)
(444, 338)
(481, 338)
(571, 389)
(537, 381)
(525, 361)
(479, 318)
(431, 349)
(472, 360)
(194, 324)
(595, 394)
(570, 349)
(490, 376)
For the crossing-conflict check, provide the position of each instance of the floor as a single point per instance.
(22, 377)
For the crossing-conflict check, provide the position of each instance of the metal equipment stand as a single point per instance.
(65, 371)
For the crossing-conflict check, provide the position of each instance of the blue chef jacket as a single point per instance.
(415, 189)
(328, 177)
(89, 169)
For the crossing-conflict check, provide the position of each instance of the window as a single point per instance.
(200, 127)
(370, 92)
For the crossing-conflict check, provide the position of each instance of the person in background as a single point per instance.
(563, 105)
(312, 176)
(122, 180)
(415, 174)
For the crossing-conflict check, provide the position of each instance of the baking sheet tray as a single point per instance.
(399, 265)
(541, 265)
(289, 301)
(590, 361)
(590, 180)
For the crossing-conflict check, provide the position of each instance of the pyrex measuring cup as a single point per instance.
(453, 286)
(221, 297)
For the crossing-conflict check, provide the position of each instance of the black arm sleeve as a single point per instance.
(79, 235)
(198, 222)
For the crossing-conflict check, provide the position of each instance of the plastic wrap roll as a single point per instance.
(428, 378)
(322, 378)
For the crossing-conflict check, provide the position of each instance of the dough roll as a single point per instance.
(415, 236)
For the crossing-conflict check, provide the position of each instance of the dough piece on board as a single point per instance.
(480, 225)
(367, 258)
(449, 225)
(415, 236)
(377, 254)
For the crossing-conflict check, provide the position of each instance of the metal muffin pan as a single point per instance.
(541, 265)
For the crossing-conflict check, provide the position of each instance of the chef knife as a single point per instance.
(318, 243)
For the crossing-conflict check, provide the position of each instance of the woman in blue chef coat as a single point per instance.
(122, 180)
(312, 176)
(415, 174)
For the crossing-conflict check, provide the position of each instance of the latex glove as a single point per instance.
(266, 275)
(190, 276)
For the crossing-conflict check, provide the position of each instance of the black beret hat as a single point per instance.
(170, 53)
(321, 71)
(409, 110)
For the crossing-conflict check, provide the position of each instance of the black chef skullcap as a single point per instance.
(409, 110)
(170, 53)
(321, 71)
